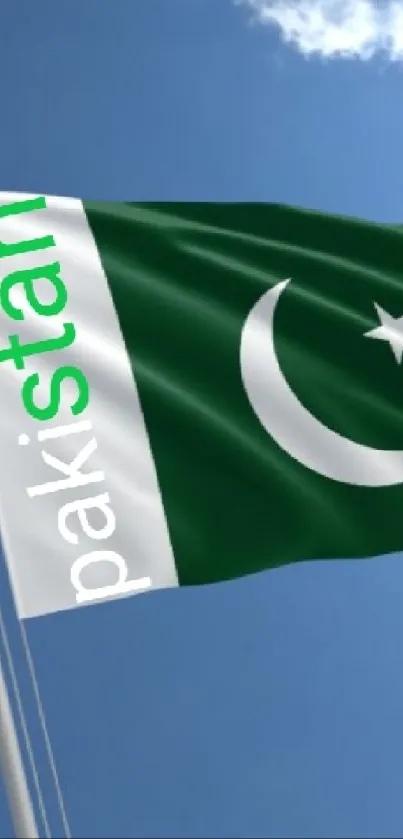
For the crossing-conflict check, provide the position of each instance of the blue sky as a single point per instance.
(269, 706)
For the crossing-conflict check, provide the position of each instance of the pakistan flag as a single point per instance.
(194, 392)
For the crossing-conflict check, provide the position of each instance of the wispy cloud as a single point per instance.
(336, 28)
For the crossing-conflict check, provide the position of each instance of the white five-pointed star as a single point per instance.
(391, 330)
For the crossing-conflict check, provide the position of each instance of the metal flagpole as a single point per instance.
(13, 772)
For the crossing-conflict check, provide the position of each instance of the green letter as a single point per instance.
(17, 352)
(27, 277)
(52, 408)
(28, 244)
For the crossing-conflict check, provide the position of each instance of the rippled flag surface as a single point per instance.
(193, 392)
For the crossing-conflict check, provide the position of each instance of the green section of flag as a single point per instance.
(184, 278)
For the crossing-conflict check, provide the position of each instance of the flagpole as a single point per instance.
(13, 772)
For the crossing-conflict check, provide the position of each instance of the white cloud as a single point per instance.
(336, 28)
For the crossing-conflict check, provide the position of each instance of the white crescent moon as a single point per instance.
(299, 433)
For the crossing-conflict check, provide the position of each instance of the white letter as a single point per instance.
(75, 477)
(85, 595)
(79, 507)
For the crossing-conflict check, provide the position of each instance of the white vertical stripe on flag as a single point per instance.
(71, 540)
